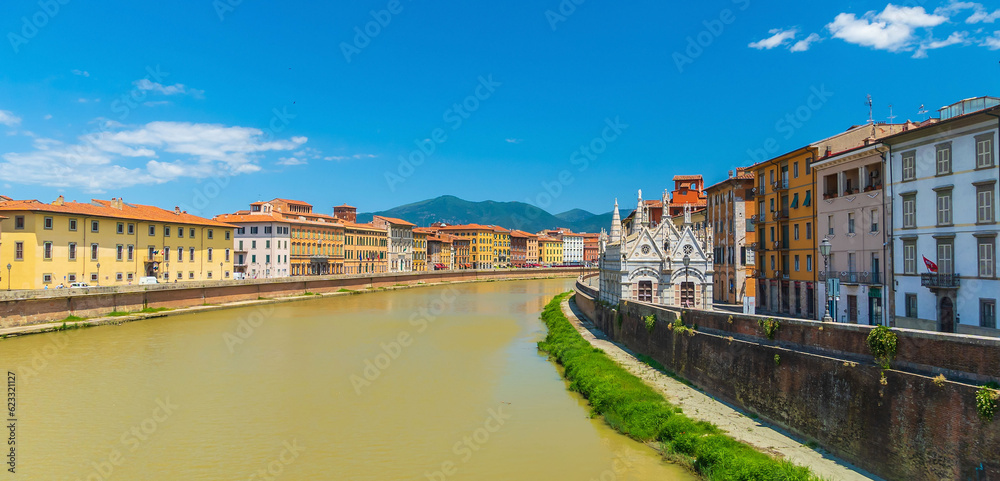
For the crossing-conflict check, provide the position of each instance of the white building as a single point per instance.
(400, 249)
(572, 248)
(656, 262)
(944, 192)
(261, 242)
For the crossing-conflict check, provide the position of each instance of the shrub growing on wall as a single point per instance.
(986, 400)
(769, 326)
(882, 343)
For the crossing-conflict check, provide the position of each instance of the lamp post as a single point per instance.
(98, 273)
(687, 263)
(8, 276)
(824, 250)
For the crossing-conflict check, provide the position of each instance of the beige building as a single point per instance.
(730, 208)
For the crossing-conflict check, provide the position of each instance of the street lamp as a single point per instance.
(687, 263)
(824, 250)
(98, 273)
(8, 276)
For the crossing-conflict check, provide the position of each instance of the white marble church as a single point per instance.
(648, 258)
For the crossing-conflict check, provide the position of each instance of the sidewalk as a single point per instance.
(700, 406)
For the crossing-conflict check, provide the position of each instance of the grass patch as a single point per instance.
(151, 310)
(345, 290)
(73, 319)
(636, 410)
(307, 293)
(117, 314)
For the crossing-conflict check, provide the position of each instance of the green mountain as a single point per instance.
(512, 215)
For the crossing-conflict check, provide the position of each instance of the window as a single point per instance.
(209, 254)
(180, 232)
(267, 244)
(946, 254)
(796, 263)
(228, 234)
(152, 230)
(944, 207)
(795, 170)
(988, 313)
(130, 276)
(267, 259)
(71, 278)
(850, 222)
(809, 263)
(253, 244)
(93, 252)
(150, 253)
(119, 252)
(984, 151)
(72, 224)
(911, 305)
(210, 233)
(191, 233)
(254, 230)
(72, 251)
(985, 211)
(166, 254)
(796, 232)
(909, 257)
(119, 277)
(909, 166)
(874, 221)
(227, 255)
(121, 228)
(209, 274)
(47, 222)
(47, 250)
(180, 275)
(987, 257)
(93, 277)
(166, 231)
(95, 226)
(180, 254)
(19, 222)
(267, 229)
(131, 252)
(19, 251)
(191, 275)
(191, 254)
(131, 229)
(943, 156)
(772, 263)
(809, 230)
(241, 246)
(47, 278)
(909, 211)
(829, 224)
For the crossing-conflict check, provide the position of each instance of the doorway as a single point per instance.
(852, 309)
(645, 291)
(687, 294)
(946, 315)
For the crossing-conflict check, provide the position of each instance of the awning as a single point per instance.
(795, 201)
(805, 203)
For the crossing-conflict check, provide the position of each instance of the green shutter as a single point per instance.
(795, 201)
(808, 200)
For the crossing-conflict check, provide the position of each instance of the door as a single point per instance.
(687, 294)
(946, 314)
(645, 291)
(852, 309)
(875, 310)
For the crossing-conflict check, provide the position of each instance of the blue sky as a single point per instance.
(211, 105)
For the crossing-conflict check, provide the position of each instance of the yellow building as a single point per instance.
(366, 249)
(550, 250)
(501, 247)
(109, 243)
(420, 236)
(481, 240)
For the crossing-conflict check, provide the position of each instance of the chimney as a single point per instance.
(59, 200)
(177, 210)
(829, 151)
(116, 203)
(730, 174)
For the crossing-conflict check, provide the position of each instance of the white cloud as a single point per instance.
(47, 117)
(82, 73)
(114, 157)
(175, 89)
(9, 119)
(983, 16)
(892, 29)
(804, 44)
(778, 37)
(349, 157)
(514, 141)
(992, 43)
(292, 161)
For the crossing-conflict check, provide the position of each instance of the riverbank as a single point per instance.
(121, 317)
(634, 408)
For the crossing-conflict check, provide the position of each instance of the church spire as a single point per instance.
(616, 224)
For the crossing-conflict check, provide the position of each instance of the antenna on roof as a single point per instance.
(868, 102)
(922, 111)
(891, 117)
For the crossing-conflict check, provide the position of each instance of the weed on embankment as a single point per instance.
(636, 410)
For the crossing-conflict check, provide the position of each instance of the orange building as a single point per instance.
(522, 244)
(366, 249)
(317, 240)
(440, 254)
(731, 216)
(689, 190)
(591, 249)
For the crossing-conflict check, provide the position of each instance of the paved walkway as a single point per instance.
(703, 407)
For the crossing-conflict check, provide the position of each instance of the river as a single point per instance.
(440, 383)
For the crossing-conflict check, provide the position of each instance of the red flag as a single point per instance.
(932, 267)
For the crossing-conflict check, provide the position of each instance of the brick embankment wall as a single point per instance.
(21, 308)
(823, 385)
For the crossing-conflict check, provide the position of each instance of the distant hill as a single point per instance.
(512, 215)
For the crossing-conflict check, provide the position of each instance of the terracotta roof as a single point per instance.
(497, 228)
(5, 198)
(687, 177)
(393, 220)
(345, 205)
(424, 230)
(103, 208)
(290, 201)
(274, 217)
(546, 238)
(467, 227)
(521, 233)
(371, 227)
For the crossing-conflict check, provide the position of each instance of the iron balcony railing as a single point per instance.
(851, 277)
(781, 214)
(780, 185)
(947, 281)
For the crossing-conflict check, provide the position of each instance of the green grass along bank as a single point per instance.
(636, 410)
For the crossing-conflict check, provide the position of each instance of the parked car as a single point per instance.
(145, 281)
(79, 285)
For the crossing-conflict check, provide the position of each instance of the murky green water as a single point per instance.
(430, 383)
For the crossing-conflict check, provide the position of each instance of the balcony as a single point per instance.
(940, 281)
(780, 185)
(851, 277)
(757, 247)
(780, 214)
